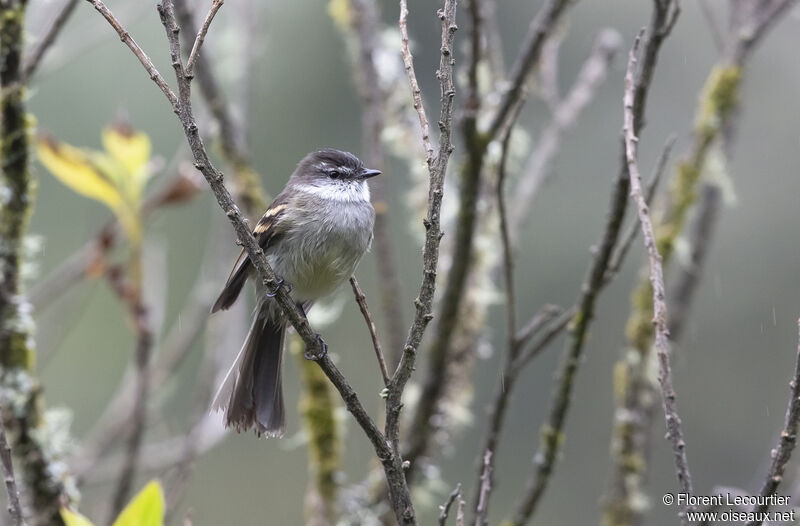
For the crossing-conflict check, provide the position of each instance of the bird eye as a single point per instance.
(334, 174)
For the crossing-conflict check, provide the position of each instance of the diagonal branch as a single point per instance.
(35, 58)
(786, 444)
(201, 36)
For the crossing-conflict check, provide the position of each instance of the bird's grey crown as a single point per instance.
(327, 161)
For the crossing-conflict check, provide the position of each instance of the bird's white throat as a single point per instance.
(342, 191)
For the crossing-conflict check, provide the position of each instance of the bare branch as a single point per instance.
(482, 509)
(14, 508)
(35, 56)
(126, 39)
(786, 443)
(201, 36)
(652, 186)
(552, 332)
(361, 299)
(537, 322)
(445, 508)
(674, 432)
(416, 93)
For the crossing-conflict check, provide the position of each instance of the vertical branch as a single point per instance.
(437, 168)
(674, 432)
(21, 401)
(476, 142)
(14, 508)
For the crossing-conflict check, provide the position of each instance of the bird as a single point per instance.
(313, 235)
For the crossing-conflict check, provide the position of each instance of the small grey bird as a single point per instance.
(313, 234)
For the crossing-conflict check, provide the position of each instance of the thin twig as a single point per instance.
(652, 186)
(786, 443)
(35, 56)
(460, 512)
(537, 322)
(126, 39)
(14, 508)
(416, 93)
(674, 432)
(361, 299)
(483, 488)
(554, 329)
(201, 36)
(445, 508)
(482, 509)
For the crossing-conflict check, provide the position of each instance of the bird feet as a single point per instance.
(278, 285)
(322, 353)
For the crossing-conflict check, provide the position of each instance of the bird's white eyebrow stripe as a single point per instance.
(343, 192)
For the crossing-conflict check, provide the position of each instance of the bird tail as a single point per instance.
(251, 394)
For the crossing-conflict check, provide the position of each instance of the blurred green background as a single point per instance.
(731, 371)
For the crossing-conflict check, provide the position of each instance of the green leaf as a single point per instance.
(145, 509)
(72, 518)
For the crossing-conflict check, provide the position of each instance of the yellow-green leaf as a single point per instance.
(72, 518)
(73, 167)
(145, 509)
(129, 147)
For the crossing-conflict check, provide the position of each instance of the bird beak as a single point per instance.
(366, 174)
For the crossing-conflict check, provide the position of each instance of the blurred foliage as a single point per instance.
(116, 177)
(145, 509)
